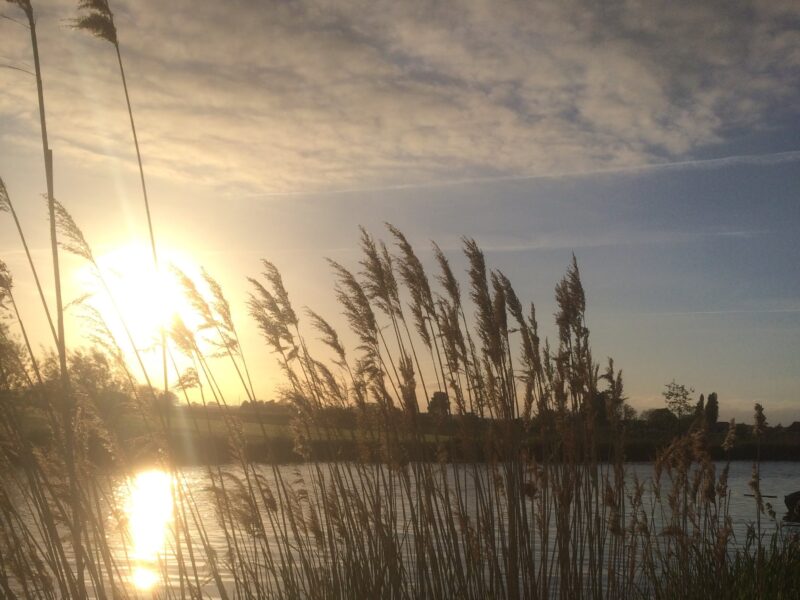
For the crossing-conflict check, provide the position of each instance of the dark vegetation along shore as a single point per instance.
(542, 507)
(268, 438)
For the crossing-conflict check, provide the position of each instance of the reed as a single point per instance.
(527, 509)
(501, 490)
(68, 405)
(97, 19)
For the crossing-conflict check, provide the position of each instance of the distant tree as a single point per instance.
(92, 372)
(157, 399)
(608, 409)
(677, 397)
(662, 419)
(699, 417)
(439, 404)
(700, 409)
(712, 409)
(628, 412)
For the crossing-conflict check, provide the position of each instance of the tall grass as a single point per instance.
(517, 505)
(96, 18)
(511, 495)
(67, 407)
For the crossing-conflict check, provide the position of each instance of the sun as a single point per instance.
(148, 298)
(135, 299)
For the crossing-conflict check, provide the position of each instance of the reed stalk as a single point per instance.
(520, 491)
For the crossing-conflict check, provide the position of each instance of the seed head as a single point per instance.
(97, 20)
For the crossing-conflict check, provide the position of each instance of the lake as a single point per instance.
(148, 552)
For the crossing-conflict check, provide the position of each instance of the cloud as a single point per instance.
(740, 311)
(777, 158)
(560, 240)
(318, 95)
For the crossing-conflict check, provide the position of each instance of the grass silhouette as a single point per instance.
(427, 506)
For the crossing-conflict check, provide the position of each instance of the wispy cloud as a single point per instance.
(608, 238)
(733, 311)
(776, 158)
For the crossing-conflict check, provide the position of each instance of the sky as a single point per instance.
(658, 141)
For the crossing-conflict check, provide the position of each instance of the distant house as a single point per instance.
(719, 427)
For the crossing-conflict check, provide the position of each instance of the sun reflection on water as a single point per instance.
(149, 512)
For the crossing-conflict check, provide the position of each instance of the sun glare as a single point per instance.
(145, 299)
(149, 511)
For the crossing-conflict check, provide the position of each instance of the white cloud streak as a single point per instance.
(734, 311)
(777, 158)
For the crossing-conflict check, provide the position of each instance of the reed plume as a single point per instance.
(98, 20)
